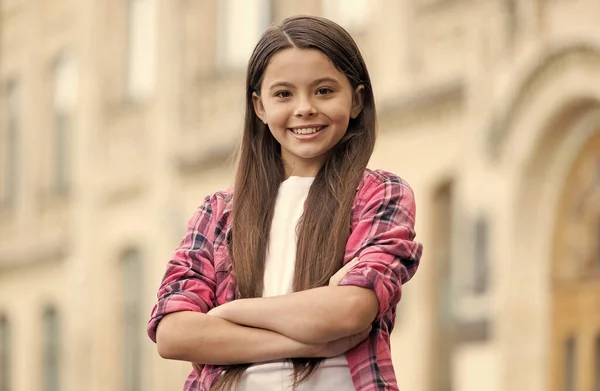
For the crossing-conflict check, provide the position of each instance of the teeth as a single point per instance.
(306, 130)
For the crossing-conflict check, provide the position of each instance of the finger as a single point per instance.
(198, 367)
(350, 264)
(335, 279)
(363, 335)
(345, 268)
(340, 274)
(357, 339)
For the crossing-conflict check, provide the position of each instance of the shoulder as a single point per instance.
(221, 200)
(384, 192)
(215, 206)
(375, 181)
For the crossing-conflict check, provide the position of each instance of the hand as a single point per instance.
(215, 311)
(340, 346)
(198, 368)
(222, 310)
(340, 274)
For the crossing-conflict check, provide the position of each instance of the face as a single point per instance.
(307, 104)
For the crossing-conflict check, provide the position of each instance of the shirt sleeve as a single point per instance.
(189, 282)
(382, 239)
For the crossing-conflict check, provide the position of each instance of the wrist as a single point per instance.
(248, 312)
(307, 350)
(224, 311)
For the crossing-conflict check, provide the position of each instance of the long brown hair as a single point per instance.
(325, 224)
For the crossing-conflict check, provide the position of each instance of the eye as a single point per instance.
(283, 94)
(324, 91)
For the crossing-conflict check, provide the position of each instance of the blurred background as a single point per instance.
(117, 117)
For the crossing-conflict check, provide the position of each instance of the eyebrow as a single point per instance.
(314, 83)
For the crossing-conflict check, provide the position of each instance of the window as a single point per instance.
(61, 152)
(482, 257)
(5, 353)
(597, 365)
(350, 14)
(133, 320)
(512, 20)
(9, 145)
(51, 357)
(141, 56)
(241, 23)
(598, 244)
(443, 306)
(65, 100)
(570, 365)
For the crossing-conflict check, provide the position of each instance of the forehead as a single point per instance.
(301, 66)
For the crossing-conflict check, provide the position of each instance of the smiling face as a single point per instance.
(307, 104)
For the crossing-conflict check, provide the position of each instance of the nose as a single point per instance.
(305, 108)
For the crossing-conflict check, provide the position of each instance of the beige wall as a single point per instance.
(500, 105)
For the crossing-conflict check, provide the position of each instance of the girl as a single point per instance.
(257, 294)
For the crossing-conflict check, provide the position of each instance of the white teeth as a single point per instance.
(307, 130)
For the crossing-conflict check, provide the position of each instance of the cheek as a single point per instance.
(340, 115)
(337, 108)
(276, 115)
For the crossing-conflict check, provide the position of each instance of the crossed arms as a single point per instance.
(320, 322)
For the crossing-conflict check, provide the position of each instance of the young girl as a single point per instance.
(292, 279)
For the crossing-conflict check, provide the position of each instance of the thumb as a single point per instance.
(350, 264)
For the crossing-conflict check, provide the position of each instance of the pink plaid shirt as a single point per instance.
(383, 216)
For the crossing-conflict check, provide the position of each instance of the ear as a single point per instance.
(358, 99)
(259, 109)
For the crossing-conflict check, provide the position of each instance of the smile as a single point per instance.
(307, 130)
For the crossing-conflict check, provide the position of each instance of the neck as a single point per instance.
(301, 172)
(294, 167)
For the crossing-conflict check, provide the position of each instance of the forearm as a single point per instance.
(205, 339)
(312, 316)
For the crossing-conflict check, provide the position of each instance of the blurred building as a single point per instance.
(117, 118)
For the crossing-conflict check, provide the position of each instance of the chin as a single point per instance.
(309, 155)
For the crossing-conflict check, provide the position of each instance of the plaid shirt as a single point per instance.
(383, 218)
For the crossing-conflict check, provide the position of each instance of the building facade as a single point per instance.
(117, 117)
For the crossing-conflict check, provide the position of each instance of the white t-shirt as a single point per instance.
(333, 373)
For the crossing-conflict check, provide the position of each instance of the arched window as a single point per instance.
(575, 280)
